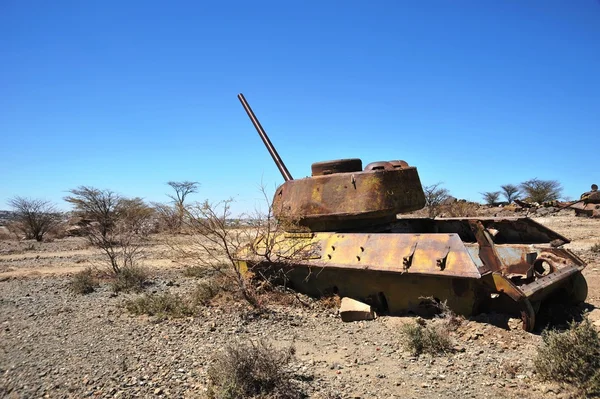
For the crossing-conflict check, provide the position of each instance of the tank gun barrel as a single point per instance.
(263, 135)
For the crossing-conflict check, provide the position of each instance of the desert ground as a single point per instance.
(58, 344)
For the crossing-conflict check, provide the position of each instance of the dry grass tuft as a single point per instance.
(161, 305)
(595, 248)
(196, 271)
(431, 339)
(84, 282)
(205, 291)
(253, 370)
(169, 305)
(571, 356)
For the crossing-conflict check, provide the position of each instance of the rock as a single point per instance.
(353, 310)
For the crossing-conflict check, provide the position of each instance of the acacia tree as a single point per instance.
(182, 190)
(99, 206)
(491, 197)
(35, 217)
(510, 192)
(113, 224)
(541, 191)
(435, 195)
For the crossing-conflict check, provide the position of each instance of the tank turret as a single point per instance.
(340, 194)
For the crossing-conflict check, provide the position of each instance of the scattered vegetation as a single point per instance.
(419, 338)
(253, 370)
(130, 278)
(571, 356)
(540, 191)
(595, 248)
(84, 282)
(34, 217)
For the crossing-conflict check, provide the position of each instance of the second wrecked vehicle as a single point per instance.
(343, 236)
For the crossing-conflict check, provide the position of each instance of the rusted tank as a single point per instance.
(589, 204)
(343, 236)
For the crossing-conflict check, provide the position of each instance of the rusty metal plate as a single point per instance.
(433, 254)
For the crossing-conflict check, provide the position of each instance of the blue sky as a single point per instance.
(127, 95)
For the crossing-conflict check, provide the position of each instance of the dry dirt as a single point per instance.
(60, 345)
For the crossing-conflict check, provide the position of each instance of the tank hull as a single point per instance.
(508, 265)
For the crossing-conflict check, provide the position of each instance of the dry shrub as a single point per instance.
(451, 319)
(330, 301)
(5, 234)
(432, 339)
(196, 271)
(253, 370)
(461, 208)
(571, 356)
(511, 369)
(205, 291)
(442, 311)
(130, 278)
(174, 305)
(84, 282)
(595, 248)
(161, 305)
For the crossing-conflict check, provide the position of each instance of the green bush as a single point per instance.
(252, 370)
(571, 356)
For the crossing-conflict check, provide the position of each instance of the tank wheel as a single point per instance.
(527, 315)
(576, 290)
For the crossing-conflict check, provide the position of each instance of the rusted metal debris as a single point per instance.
(346, 215)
